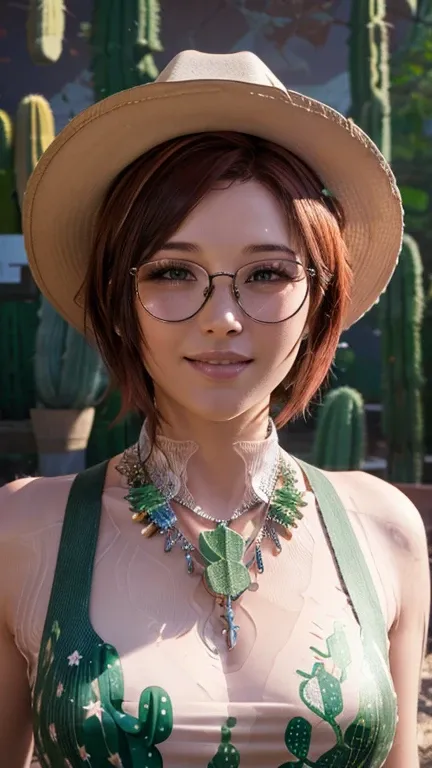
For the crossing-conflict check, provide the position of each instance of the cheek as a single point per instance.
(159, 349)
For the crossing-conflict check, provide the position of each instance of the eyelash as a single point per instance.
(167, 265)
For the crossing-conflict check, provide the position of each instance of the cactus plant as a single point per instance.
(124, 39)
(69, 373)
(34, 133)
(369, 71)
(17, 319)
(401, 310)
(401, 307)
(124, 36)
(45, 30)
(9, 211)
(227, 755)
(340, 436)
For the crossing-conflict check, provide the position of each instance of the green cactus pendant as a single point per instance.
(225, 573)
(222, 550)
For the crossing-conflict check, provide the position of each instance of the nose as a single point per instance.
(221, 315)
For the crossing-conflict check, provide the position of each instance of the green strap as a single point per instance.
(349, 556)
(70, 594)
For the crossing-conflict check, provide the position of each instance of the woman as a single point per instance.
(215, 234)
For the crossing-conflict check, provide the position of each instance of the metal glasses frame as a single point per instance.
(310, 272)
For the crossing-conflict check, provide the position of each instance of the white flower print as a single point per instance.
(74, 659)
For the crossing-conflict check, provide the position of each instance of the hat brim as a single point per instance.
(68, 185)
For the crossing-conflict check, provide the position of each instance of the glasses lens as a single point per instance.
(272, 291)
(172, 290)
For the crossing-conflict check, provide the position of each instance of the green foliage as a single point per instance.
(124, 37)
(69, 373)
(401, 308)
(340, 436)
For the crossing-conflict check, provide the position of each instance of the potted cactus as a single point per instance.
(341, 433)
(70, 380)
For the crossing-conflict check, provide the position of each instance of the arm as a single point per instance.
(16, 740)
(409, 632)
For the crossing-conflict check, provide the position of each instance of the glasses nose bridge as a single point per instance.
(231, 275)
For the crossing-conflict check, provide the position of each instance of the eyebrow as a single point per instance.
(179, 245)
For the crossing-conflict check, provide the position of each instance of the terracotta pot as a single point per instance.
(61, 438)
(57, 431)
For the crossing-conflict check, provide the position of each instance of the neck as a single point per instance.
(221, 464)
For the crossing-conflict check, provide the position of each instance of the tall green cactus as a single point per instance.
(369, 71)
(45, 30)
(69, 373)
(125, 35)
(341, 433)
(401, 310)
(401, 351)
(124, 38)
(34, 132)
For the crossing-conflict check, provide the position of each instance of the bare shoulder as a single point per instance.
(31, 503)
(380, 504)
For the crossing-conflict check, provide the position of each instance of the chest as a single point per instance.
(151, 652)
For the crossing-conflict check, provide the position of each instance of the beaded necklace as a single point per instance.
(222, 550)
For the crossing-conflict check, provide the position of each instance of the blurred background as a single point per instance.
(56, 404)
(372, 61)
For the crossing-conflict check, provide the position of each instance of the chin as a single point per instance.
(220, 409)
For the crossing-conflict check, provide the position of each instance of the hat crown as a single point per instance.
(243, 66)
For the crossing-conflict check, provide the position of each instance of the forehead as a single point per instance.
(239, 214)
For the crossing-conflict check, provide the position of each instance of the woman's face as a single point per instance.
(221, 362)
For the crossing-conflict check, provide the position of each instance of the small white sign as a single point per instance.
(12, 258)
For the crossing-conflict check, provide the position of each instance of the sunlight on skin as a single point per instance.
(222, 234)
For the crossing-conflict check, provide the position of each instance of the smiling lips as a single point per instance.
(219, 365)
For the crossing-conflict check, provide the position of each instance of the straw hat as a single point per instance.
(205, 92)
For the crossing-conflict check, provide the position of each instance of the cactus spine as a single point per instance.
(34, 133)
(401, 311)
(68, 371)
(45, 30)
(125, 36)
(341, 434)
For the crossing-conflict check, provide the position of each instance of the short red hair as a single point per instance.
(145, 206)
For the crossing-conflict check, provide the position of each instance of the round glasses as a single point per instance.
(268, 291)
